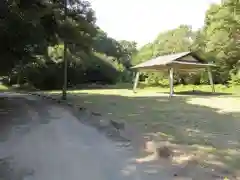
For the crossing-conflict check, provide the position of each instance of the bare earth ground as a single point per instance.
(203, 131)
(40, 140)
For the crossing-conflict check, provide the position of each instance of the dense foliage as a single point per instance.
(218, 41)
(32, 35)
(221, 38)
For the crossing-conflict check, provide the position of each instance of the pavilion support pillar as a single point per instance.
(171, 81)
(211, 79)
(136, 82)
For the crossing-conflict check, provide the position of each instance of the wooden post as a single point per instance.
(171, 81)
(211, 79)
(136, 82)
(65, 60)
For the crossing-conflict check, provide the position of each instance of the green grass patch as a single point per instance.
(3, 87)
(203, 88)
(207, 122)
(126, 87)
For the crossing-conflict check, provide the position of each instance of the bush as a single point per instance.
(235, 79)
(156, 79)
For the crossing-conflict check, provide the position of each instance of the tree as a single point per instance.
(219, 39)
(128, 50)
(29, 27)
(172, 41)
(106, 45)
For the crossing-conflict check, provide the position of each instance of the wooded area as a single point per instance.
(32, 35)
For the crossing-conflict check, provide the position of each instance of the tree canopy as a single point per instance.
(29, 27)
(219, 38)
(172, 41)
(32, 35)
(217, 42)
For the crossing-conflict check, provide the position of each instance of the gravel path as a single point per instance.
(40, 140)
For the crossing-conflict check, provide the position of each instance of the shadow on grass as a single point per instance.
(128, 86)
(10, 110)
(192, 128)
(201, 93)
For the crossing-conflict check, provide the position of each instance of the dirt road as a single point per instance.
(40, 140)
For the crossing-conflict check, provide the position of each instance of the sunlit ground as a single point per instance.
(3, 88)
(206, 125)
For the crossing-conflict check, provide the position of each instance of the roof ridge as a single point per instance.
(171, 57)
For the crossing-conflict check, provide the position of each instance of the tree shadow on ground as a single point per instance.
(201, 93)
(189, 128)
(7, 116)
(14, 120)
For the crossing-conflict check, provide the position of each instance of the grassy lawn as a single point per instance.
(208, 126)
(3, 87)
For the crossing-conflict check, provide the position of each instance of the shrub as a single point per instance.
(235, 79)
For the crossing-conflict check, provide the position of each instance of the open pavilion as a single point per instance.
(181, 62)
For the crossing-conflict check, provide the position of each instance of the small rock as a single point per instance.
(82, 108)
(117, 125)
(96, 114)
(164, 152)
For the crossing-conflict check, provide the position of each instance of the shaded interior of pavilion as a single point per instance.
(187, 62)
